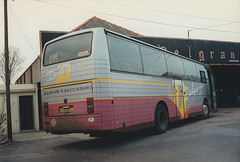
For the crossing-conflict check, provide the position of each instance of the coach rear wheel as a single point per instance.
(205, 110)
(161, 119)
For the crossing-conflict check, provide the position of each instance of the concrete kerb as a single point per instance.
(41, 135)
(32, 135)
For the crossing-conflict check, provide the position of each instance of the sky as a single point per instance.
(206, 19)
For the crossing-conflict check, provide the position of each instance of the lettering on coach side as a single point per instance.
(64, 72)
(80, 88)
(195, 89)
(61, 74)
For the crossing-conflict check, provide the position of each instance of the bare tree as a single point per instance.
(3, 118)
(3, 121)
(15, 63)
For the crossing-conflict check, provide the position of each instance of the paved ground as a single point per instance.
(213, 139)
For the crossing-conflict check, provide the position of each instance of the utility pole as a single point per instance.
(188, 32)
(189, 48)
(7, 73)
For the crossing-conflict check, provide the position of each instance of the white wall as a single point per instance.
(16, 91)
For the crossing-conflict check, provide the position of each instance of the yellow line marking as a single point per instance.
(66, 84)
(131, 81)
(113, 80)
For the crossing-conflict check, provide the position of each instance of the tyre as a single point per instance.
(161, 119)
(206, 110)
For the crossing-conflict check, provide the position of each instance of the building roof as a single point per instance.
(97, 22)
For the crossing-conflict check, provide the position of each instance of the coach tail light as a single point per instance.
(45, 108)
(90, 105)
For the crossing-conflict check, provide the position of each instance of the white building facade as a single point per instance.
(24, 107)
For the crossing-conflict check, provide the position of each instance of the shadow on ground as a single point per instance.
(119, 140)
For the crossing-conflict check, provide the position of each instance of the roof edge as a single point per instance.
(95, 17)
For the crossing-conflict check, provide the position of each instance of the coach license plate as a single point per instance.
(66, 109)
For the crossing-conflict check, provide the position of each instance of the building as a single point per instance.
(24, 107)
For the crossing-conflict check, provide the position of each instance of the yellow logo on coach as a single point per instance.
(64, 72)
(180, 97)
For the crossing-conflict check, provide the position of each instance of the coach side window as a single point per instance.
(174, 65)
(124, 55)
(203, 76)
(190, 70)
(202, 73)
(153, 62)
